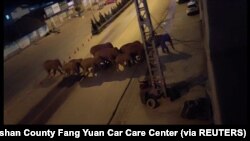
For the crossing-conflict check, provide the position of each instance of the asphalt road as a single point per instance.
(24, 72)
(71, 101)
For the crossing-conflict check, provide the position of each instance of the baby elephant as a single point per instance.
(90, 65)
(122, 59)
(161, 39)
(53, 65)
(72, 67)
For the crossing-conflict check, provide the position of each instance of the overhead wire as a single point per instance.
(159, 25)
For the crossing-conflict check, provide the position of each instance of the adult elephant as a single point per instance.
(53, 65)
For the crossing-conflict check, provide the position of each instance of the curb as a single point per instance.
(102, 27)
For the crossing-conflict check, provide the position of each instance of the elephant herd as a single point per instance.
(104, 56)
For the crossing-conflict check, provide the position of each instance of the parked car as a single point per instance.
(192, 3)
(192, 11)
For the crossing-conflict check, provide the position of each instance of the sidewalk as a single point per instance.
(188, 63)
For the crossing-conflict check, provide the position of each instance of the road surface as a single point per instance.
(91, 100)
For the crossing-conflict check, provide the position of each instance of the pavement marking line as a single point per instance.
(119, 101)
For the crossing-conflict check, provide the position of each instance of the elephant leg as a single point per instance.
(48, 72)
(164, 47)
(171, 42)
(54, 72)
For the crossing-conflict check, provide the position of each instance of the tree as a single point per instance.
(106, 16)
(94, 28)
(123, 2)
(119, 5)
(112, 11)
(101, 18)
(96, 22)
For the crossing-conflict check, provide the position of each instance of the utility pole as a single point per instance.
(157, 84)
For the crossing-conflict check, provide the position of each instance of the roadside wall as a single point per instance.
(17, 46)
(22, 43)
(226, 47)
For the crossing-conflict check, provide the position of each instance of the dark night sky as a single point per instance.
(12, 4)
